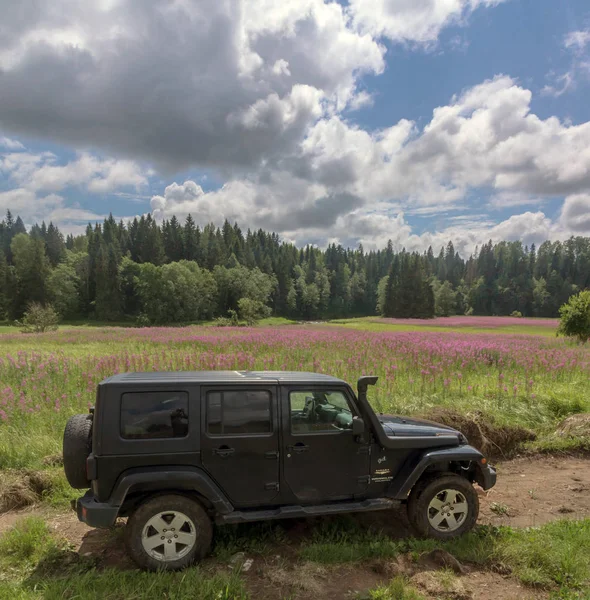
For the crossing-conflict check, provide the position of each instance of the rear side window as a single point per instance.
(239, 412)
(153, 415)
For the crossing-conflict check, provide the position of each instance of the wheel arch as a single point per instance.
(462, 460)
(136, 486)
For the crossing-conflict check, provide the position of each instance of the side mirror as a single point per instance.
(358, 427)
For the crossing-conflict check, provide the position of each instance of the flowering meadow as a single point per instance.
(532, 381)
(480, 322)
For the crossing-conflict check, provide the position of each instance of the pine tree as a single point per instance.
(108, 302)
(31, 270)
(4, 299)
(54, 245)
(190, 241)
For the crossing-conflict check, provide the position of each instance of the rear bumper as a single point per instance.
(94, 513)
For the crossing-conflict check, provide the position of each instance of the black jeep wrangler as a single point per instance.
(176, 451)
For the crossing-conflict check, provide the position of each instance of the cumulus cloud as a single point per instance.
(40, 172)
(9, 144)
(38, 177)
(34, 208)
(260, 91)
(485, 137)
(225, 83)
(348, 184)
(419, 21)
(575, 214)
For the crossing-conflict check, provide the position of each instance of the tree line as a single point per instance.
(177, 272)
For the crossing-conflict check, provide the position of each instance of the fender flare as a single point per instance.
(178, 478)
(411, 473)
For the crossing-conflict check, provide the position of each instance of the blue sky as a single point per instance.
(417, 121)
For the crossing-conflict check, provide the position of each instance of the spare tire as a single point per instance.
(76, 448)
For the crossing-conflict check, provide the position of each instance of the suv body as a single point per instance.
(251, 445)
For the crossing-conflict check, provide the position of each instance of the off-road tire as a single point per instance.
(77, 445)
(424, 492)
(157, 504)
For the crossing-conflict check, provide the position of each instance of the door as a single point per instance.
(239, 446)
(322, 459)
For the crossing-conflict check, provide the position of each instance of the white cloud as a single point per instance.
(10, 144)
(510, 199)
(39, 172)
(259, 96)
(348, 184)
(575, 214)
(141, 83)
(562, 84)
(486, 137)
(419, 21)
(38, 177)
(34, 208)
(577, 40)
(27, 204)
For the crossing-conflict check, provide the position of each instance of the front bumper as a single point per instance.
(95, 513)
(487, 476)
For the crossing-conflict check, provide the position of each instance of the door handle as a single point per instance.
(224, 451)
(298, 448)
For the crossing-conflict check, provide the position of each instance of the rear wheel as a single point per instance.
(77, 445)
(444, 507)
(168, 533)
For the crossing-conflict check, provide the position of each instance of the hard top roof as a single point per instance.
(222, 377)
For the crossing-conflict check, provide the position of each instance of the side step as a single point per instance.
(293, 511)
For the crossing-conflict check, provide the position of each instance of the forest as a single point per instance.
(151, 273)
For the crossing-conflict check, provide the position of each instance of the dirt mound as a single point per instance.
(24, 489)
(482, 432)
(54, 460)
(575, 426)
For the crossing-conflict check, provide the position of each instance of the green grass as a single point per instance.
(6, 327)
(554, 556)
(342, 540)
(34, 564)
(26, 543)
(557, 553)
(396, 589)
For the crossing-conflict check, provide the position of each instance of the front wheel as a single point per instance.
(168, 533)
(444, 507)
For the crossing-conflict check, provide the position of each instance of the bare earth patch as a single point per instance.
(485, 585)
(534, 490)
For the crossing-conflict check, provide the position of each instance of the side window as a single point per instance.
(152, 415)
(239, 412)
(317, 411)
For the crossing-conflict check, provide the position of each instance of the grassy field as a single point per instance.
(530, 382)
(513, 384)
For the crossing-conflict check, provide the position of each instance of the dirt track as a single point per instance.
(530, 491)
